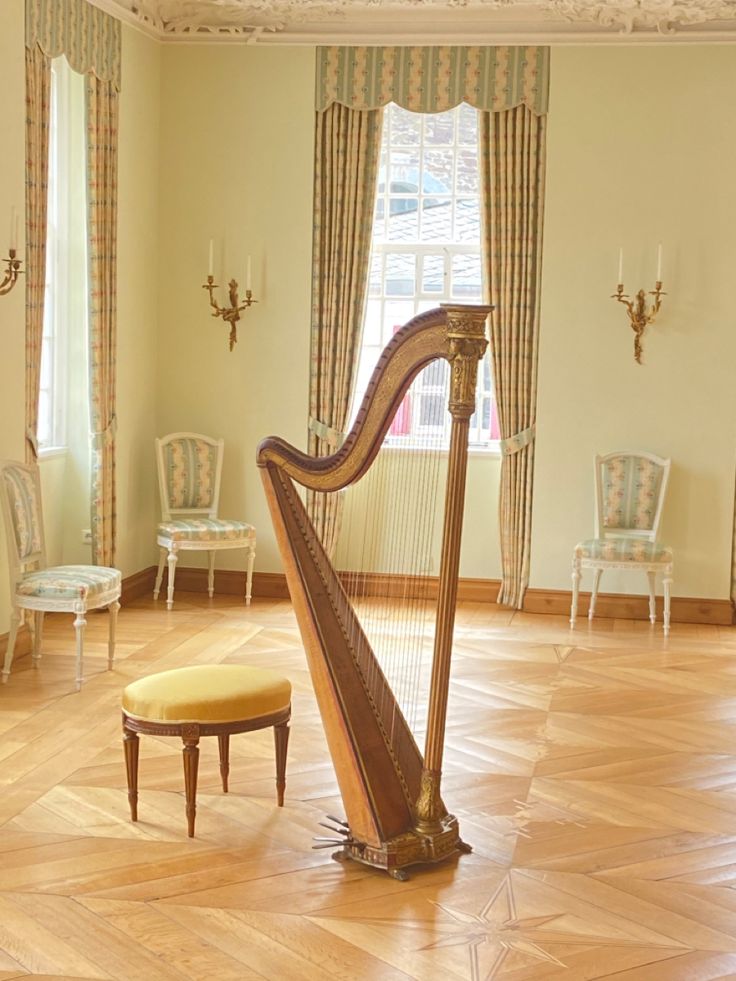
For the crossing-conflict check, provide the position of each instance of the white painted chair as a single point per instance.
(36, 588)
(629, 490)
(189, 472)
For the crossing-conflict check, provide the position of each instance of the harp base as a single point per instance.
(410, 848)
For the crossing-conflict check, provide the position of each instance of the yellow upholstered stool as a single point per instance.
(205, 700)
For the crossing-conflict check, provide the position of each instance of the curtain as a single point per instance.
(347, 150)
(102, 99)
(512, 146)
(38, 86)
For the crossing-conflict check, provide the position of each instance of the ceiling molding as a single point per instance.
(429, 21)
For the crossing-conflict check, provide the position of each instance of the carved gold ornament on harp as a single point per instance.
(391, 791)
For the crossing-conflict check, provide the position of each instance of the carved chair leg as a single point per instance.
(575, 590)
(14, 624)
(224, 741)
(191, 766)
(281, 741)
(211, 574)
(159, 573)
(652, 596)
(667, 584)
(594, 594)
(172, 573)
(131, 746)
(79, 624)
(37, 636)
(249, 575)
(113, 614)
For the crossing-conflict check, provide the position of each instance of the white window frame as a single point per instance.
(62, 302)
(422, 299)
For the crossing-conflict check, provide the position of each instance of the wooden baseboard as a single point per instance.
(138, 584)
(622, 606)
(272, 585)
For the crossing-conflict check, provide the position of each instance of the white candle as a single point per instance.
(13, 227)
(248, 274)
(211, 264)
(659, 263)
(17, 230)
(620, 265)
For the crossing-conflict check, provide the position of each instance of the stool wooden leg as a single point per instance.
(224, 741)
(281, 740)
(131, 746)
(190, 738)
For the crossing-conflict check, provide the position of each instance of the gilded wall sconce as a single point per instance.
(230, 314)
(640, 316)
(12, 262)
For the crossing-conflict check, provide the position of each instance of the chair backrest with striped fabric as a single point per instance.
(189, 468)
(20, 488)
(630, 489)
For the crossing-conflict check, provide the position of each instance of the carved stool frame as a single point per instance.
(190, 733)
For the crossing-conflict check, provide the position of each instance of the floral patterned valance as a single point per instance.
(434, 79)
(88, 36)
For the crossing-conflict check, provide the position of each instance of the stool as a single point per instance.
(205, 700)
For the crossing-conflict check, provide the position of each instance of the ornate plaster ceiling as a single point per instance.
(430, 21)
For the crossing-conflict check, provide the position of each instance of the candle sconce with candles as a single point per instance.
(13, 262)
(640, 316)
(230, 314)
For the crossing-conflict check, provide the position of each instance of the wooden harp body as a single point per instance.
(390, 789)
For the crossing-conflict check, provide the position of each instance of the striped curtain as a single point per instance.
(512, 146)
(102, 101)
(38, 86)
(347, 150)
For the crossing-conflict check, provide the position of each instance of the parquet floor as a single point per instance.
(594, 774)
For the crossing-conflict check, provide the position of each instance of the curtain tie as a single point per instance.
(32, 439)
(104, 437)
(321, 430)
(518, 441)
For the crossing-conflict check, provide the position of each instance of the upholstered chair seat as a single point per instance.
(629, 493)
(623, 550)
(189, 474)
(205, 529)
(36, 589)
(70, 582)
(205, 700)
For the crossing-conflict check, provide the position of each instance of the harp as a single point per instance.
(391, 791)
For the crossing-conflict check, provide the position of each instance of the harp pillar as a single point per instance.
(467, 345)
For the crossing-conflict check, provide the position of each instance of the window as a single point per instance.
(63, 352)
(425, 250)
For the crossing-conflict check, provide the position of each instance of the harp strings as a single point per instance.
(388, 547)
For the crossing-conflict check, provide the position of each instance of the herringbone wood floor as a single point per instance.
(594, 774)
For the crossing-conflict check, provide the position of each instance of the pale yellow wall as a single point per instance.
(236, 166)
(139, 267)
(642, 149)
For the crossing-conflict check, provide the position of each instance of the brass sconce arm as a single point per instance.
(639, 315)
(231, 314)
(11, 273)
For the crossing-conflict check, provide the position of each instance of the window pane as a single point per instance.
(372, 324)
(404, 126)
(400, 274)
(467, 128)
(467, 172)
(466, 281)
(439, 127)
(44, 418)
(437, 221)
(467, 222)
(403, 222)
(438, 172)
(374, 278)
(432, 409)
(396, 315)
(433, 274)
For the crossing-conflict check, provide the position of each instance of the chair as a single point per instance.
(189, 471)
(34, 587)
(629, 492)
(205, 700)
